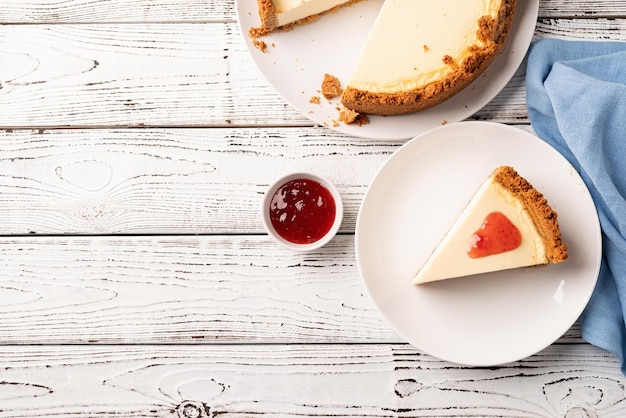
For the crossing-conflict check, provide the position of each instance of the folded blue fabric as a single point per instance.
(576, 97)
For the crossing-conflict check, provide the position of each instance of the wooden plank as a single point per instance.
(604, 29)
(185, 290)
(97, 11)
(169, 181)
(94, 11)
(132, 75)
(296, 381)
(123, 75)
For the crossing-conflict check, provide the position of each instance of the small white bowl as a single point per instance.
(267, 199)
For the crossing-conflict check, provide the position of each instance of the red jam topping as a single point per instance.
(302, 211)
(496, 235)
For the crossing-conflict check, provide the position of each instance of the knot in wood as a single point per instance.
(581, 412)
(193, 409)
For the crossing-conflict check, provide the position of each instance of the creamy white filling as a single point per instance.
(406, 46)
(450, 258)
(289, 11)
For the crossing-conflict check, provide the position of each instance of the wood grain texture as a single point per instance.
(176, 75)
(603, 29)
(187, 290)
(295, 381)
(136, 140)
(93, 11)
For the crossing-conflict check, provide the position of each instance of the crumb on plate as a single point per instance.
(331, 86)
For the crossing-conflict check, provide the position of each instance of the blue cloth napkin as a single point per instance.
(576, 97)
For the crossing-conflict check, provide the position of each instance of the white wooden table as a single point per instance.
(136, 140)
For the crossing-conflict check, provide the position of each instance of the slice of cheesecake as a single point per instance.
(507, 224)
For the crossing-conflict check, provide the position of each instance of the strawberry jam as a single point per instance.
(496, 235)
(302, 211)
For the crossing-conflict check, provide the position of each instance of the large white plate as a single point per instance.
(480, 320)
(297, 60)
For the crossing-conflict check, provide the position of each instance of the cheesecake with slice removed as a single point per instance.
(418, 53)
(507, 224)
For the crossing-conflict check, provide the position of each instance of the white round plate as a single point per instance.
(296, 61)
(488, 319)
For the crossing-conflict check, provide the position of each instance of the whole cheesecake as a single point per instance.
(507, 224)
(418, 53)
